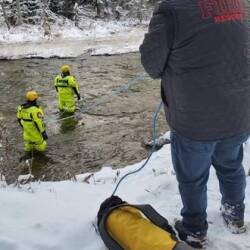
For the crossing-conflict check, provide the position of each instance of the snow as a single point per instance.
(60, 215)
(68, 41)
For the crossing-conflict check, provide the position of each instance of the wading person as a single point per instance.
(67, 88)
(30, 116)
(199, 51)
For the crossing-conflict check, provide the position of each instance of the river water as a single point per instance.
(112, 133)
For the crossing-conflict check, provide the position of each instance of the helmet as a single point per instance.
(65, 68)
(31, 95)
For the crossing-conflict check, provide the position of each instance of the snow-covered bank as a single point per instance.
(59, 215)
(101, 38)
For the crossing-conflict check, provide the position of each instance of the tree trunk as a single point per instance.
(5, 16)
(76, 14)
(45, 19)
(141, 7)
(97, 7)
(19, 15)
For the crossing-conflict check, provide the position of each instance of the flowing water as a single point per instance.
(112, 133)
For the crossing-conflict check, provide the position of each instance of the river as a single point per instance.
(112, 133)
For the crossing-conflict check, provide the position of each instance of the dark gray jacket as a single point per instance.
(199, 50)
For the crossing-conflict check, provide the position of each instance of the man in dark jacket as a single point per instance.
(199, 50)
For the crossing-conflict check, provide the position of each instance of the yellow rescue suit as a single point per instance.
(30, 117)
(67, 87)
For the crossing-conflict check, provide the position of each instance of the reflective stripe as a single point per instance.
(27, 120)
(62, 83)
(36, 143)
(63, 86)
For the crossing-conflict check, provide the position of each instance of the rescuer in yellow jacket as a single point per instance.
(67, 87)
(30, 117)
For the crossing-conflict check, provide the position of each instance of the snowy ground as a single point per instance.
(69, 41)
(59, 215)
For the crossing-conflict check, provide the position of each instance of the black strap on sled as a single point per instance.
(149, 213)
(155, 217)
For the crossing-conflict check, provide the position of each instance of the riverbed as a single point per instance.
(111, 127)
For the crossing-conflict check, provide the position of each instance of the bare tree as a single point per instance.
(19, 15)
(76, 16)
(5, 15)
(97, 7)
(45, 19)
(141, 8)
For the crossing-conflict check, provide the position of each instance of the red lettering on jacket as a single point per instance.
(222, 10)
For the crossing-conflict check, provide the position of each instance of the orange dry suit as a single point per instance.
(30, 117)
(67, 87)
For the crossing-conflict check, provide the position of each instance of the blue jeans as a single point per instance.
(192, 160)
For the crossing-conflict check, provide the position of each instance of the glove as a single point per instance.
(45, 136)
(78, 97)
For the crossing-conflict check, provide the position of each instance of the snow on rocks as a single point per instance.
(28, 42)
(25, 178)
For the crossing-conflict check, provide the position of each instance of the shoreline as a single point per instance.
(118, 43)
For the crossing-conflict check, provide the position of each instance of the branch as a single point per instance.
(5, 16)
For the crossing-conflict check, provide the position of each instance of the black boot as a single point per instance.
(233, 216)
(196, 240)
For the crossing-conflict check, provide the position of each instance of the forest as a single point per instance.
(46, 12)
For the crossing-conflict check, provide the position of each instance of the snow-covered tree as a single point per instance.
(5, 16)
(40, 12)
(26, 11)
(64, 8)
